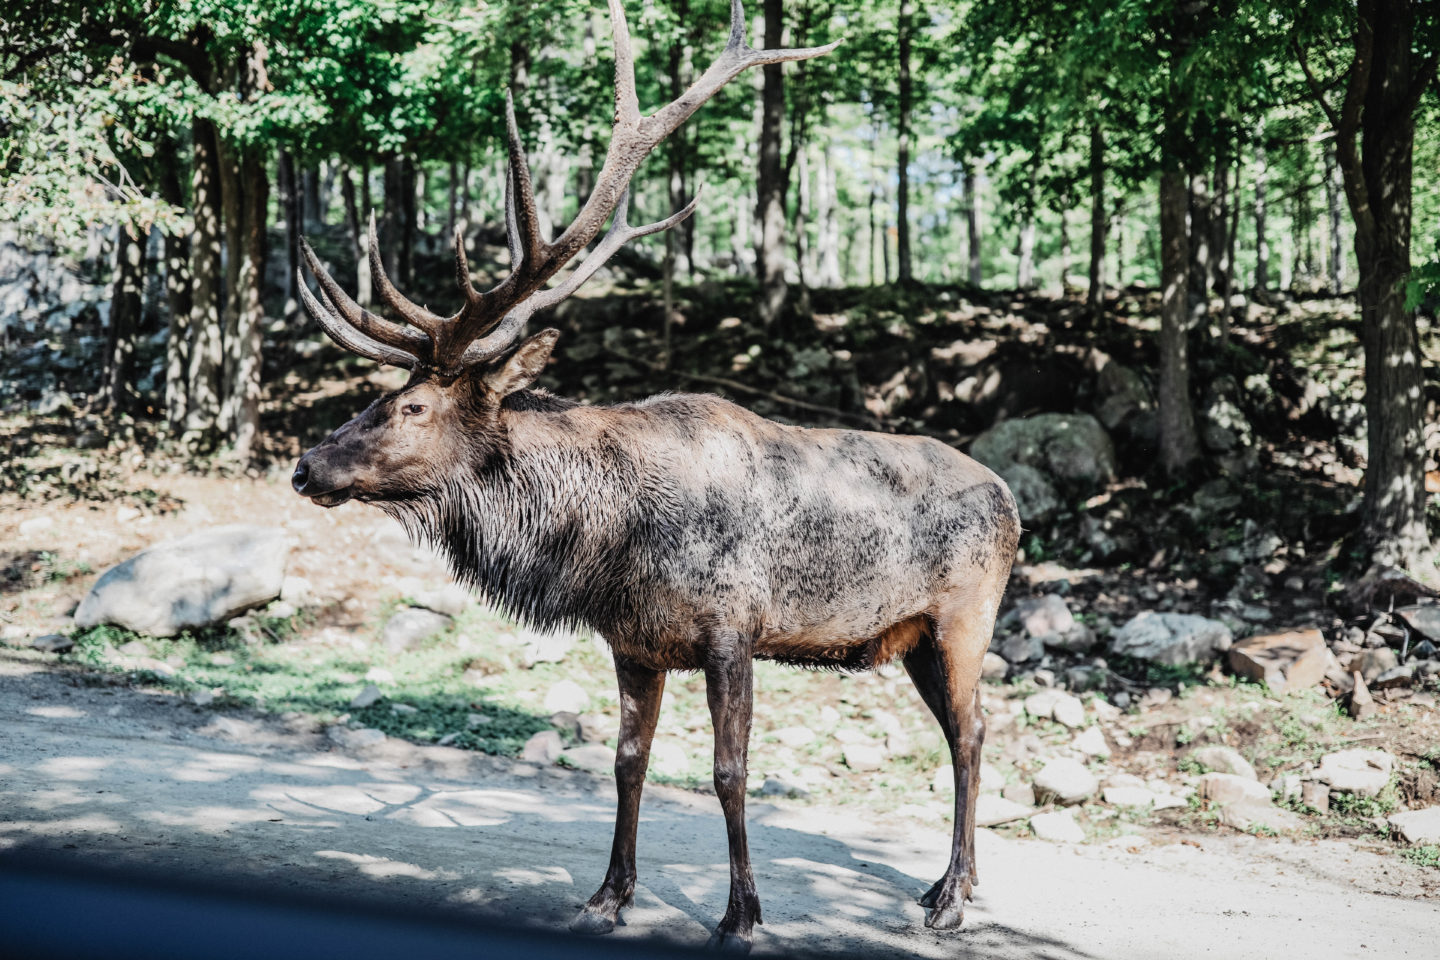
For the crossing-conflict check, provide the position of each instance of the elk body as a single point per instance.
(690, 533)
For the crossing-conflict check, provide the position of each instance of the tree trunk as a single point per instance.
(178, 297)
(288, 186)
(1219, 221)
(1025, 252)
(1384, 90)
(682, 246)
(314, 195)
(1095, 296)
(874, 199)
(1064, 245)
(770, 211)
(827, 272)
(1227, 280)
(452, 199)
(1201, 253)
(1262, 243)
(902, 132)
(125, 308)
(207, 331)
(972, 226)
(357, 236)
(244, 375)
(1334, 190)
(1179, 446)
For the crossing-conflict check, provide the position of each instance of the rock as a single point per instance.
(1171, 638)
(669, 759)
(1021, 793)
(567, 722)
(203, 698)
(356, 738)
(593, 757)
(1057, 827)
(1225, 788)
(1361, 706)
(991, 779)
(1377, 661)
(1284, 662)
(296, 591)
(1125, 392)
(1418, 826)
(943, 780)
(379, 675)
(1069, 712)
(1128, 797)
(1315, 795)
(992, 810)
(1041, 706)
(1362, 771)
(1423, 618)
(1022, 649)
(1401, 676)
(1260, 815)
(795, 737)
(995, 667)
(543, 747)
(52, 643)
(595, 727)
(1078, 639)
(451, 599)
(412, 626)
(778, 787)
(1045, 615)
(1224, 760)
(202, 579)
(544, 647)
(36, 525)
(1074, 448)
(368, 697)
(1035, 496)
(1065, 781)
(862, 757)
(1091, 742)
(567, 696)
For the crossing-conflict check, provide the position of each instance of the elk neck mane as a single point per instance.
(544, 530)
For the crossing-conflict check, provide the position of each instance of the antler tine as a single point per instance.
(347, 336)
(527, 219)
(462, 271)
(414, 314)
(512, 230)
(365, 322)
(627, 103)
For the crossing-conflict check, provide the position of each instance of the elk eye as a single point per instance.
(413, 409)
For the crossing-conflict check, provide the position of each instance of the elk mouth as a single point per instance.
(333, 498)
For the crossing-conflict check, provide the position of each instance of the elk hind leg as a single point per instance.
(640, 691)
(945, 667)
(729, 687)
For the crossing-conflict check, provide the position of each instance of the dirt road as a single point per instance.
(124, 776)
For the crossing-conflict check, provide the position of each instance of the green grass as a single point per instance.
(1427, 855)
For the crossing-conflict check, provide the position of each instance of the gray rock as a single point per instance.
(544, 647)
(1129, 797)
(1374, 663)
(1035, 496)
(1091, 742)
(594, 757)
(356, 738)
(1073, 448)
(863, 757)
(1361, 771)
(1224, 760)
(669, 759)
(1125, 393)
(1257, 815)
(992, 810)
(567, 696)
(1418, 826)
(450, 599)
(994, 667)
(52, 643)
(1315, 795)
(1069, 712)
(1022, 649)
(795, 737)
(543, 747)
(1057, 827)
(1021, 793)
(595, 727)
(1225, 788)
(779, 787)
(368, 697)
(407, 629)
(1045, 615)
(1065, 781)
(1423, 618)
(202, 579)
(1172, 638)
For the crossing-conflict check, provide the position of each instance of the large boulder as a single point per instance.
(1074, 449)
(196, 581)
(1172, 638)
(1285, 662)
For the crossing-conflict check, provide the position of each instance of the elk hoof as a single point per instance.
(591, 924)
(946, 903)
(732, 943)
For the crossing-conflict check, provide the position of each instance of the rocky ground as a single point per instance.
(1173, 662)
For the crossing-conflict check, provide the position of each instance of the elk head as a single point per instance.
(408, 441)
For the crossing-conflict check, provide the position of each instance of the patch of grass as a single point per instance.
(1188, 764)
(1352, 805)
(1158, 674)
(54, 568)
(1427, 855)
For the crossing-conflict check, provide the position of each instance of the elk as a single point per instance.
(690, 533)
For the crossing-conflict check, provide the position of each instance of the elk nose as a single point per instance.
(301, 474)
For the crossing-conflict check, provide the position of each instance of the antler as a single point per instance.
(488, 322)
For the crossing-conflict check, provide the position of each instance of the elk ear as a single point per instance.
(522, 367)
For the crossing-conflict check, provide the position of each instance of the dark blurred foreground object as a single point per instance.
(53, 909)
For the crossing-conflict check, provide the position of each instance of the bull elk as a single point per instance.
(690, 533)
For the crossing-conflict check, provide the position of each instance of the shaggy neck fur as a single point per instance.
(537, 524)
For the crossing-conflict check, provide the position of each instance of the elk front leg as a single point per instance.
(729, 687)
(640, 690)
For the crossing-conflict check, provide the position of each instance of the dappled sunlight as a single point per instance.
(383, 868)
(209, 819)
(74, 768)
(534, 876)
(854, 894)
(56, 713)
(217, 767)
